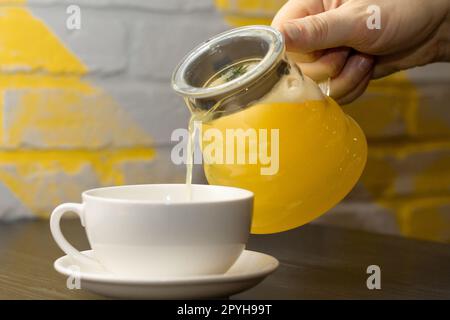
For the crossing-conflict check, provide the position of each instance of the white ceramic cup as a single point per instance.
(156, 231)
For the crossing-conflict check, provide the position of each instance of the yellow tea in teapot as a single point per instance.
(322, 153)
(267, 128)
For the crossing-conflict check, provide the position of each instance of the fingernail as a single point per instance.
(291, 31)
(364, 64)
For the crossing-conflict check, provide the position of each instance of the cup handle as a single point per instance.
(55, 229)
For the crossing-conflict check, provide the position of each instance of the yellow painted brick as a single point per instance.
(28, 45)
(43, 179)
(407, 170)
(360, 215)
(71, 117)
(266, 6)
(432, 119)
(254, 7)
(246, 12)
(60, 116)
(385, 108)
(13, 2)
(152, 171)
(395, 107)
(239, 21)
(430, 219)
(423, 218)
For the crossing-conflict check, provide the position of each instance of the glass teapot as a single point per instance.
(268, 128)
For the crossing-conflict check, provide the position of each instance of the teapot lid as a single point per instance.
(212, 56)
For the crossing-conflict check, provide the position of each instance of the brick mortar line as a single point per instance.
(348, 204)
(112, 77)
(408, 143)
(117, 7)
(93, 149)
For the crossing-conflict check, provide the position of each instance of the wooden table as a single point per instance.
(317, 262)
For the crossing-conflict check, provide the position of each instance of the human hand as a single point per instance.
(332, 39)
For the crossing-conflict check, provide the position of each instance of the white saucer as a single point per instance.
(250, 269)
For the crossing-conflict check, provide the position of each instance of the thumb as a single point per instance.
(328, 29)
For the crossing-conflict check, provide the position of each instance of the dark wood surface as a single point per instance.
(316, 263)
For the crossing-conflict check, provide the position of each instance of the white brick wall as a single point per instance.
(151, 5)
(152, 105)
(131, 49)
(160, 42)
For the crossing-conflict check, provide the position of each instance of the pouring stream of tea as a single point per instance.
(227, 74)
